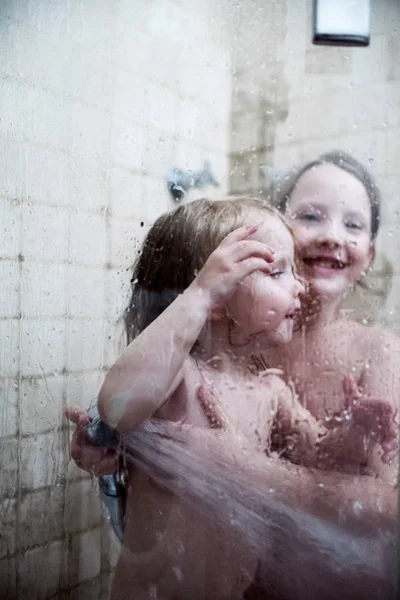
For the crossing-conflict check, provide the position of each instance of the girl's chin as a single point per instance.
(282, 334)
(330, 288)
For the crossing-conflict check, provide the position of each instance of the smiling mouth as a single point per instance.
(325, 263)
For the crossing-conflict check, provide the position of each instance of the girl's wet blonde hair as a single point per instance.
(176, 248)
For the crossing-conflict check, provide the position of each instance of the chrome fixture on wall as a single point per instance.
(180, 181)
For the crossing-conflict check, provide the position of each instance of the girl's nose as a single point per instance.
(331, 234)
(299, 287)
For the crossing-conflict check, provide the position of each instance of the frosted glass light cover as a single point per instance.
(342, 22)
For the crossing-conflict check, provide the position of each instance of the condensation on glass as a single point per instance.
(112, 113)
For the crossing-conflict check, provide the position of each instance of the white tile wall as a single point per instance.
(85, 556)
(9, 472)
(111, 548)
(90, 590)
(125, 191)
(127, 143)
(390, 186)
(87, 184)
(52, 190)
(10, 289)
(82, 388)
(118, 292)
(43, 290)
(98, 101)
(8, 577)
(85, 344)
(9, 406)
(8, 510)
(157, 198)
(82, 507)
(86, 292)
(42, 571)
(126, 237)
(391, 152)
(42, 346)
(41, 517)
(9, 348)
(10, 227)
(41, 403)
(12, 166)
(87, 238)
(42, 461)
(44, 232)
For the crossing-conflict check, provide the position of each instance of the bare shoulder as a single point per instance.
(381, 375)
(363, 339)
(384, 341)
(378, 343)
(346, 331)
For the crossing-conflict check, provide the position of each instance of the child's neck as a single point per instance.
(216, 348)
(317, 312)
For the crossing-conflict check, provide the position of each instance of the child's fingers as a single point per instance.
(376, 417)
(107, 465)
(250, 265)
(241, 233)
(77, 415)
(85, 455)
(248, 248)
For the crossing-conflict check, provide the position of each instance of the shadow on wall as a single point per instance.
(255, 118)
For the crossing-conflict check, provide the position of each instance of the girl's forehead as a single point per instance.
(271, 231)
(331, 186)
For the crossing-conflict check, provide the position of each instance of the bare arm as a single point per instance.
(381, 380)
(363, 428)
(322, 532)
(360, 505)
(381, 375)
(140, 381)
(146, 374)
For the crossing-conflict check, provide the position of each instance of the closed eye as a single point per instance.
(308, 217)
(354, 225)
